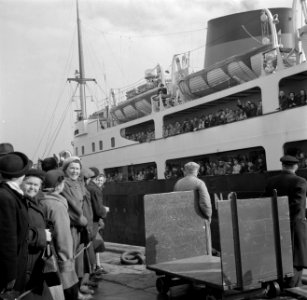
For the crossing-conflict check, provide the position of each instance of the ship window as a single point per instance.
(100, 145)
(235, 107)
(93, 147)
(143, 132)
(112, 142)
(76, 151)
(82, 150)
(139, 172)
(292, 91)
(299, 150)
(249, 160)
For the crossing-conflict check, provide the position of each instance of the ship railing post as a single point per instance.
(153, 104)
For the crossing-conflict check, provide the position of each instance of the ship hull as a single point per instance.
(125, 223)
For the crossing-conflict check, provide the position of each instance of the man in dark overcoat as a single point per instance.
(13, 222)
(287, 183)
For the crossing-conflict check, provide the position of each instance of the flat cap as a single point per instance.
(289, 160)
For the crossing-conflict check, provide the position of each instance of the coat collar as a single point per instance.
(14, 186)
(55, 197)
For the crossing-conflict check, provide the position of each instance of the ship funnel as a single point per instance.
(239, 33)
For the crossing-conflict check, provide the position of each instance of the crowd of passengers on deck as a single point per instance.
(238, 164)
(201, 120)
(142, 136)
(226, 115)
(147, 173)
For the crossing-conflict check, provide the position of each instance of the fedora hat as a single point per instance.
(14, 165)
(6, 148)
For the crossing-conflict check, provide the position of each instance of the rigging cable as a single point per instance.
(67, 67)
(49, 123)
(62, 119)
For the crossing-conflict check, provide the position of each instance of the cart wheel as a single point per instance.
(162, 285)
(273, 289)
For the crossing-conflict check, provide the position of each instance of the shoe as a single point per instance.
(95, 278)
(100, 270)
(84, 289)
(84, 297)
(91, 283)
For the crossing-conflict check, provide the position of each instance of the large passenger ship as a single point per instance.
(236, 117)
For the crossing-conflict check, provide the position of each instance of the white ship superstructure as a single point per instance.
(135, 134)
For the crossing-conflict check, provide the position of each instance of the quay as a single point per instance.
(238, 272)
(134, 282)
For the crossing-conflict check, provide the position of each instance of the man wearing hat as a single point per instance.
(287, 183)
(5, 148)
(13, 222)
(203, 206)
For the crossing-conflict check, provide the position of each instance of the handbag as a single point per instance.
(50, 269)
(98, 243)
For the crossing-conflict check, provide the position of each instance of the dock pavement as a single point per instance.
(133, 282)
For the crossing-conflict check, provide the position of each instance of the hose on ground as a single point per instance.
(132, 258)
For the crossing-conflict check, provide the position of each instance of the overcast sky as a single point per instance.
(122, 38)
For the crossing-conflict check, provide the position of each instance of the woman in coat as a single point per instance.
(74, 192)
(55, 209)
(38, 234)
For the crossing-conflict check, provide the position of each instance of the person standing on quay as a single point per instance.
(190, 182)
(295, 187)
(14, 223)
(99, 213)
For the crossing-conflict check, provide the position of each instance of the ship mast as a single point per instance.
(79, 76)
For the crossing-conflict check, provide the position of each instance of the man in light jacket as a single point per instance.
(203, 206)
